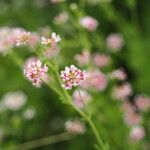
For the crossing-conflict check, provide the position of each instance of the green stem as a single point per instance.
(86, 117)
(42, 141)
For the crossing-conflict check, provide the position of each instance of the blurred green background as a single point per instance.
(128, 17)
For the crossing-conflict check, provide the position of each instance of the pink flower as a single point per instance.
(23, 38)
(132, 118)
(118, 74)
(101, 60)
(114, 42)
(61, 18)
(52, 51)
(52, 40)
(34, 71)
(96, 80)
(137, 133)
(81, 98)
(75, 127)
(83, 58)
(72, 76)
(142, 102)
(122, 92)
(127, 107)
(89, 23)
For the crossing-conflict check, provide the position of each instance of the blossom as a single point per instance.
(53, 40)
(23, 38)
(75, 127)
(115, 42)
(34, 71)
(72, 76)
(80, 98)
(83, 58)
(29, 113)
(142, 102)
(96, 80)
(132, 118)
(14, 100)
(122, 92)
(8, 38)
(62, 17)
(89, 23)
(101, 60)
(118, 74)
(137, 133)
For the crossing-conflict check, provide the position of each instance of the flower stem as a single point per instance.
(84, 115)
(42, 141)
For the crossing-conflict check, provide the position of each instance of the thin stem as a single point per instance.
(86, 117)
(42, 141)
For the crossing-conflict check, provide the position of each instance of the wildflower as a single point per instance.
(29, 113)
(81, 98)
(61, 18)
(137, 133)
(127, 107)
(122, 92)
(96, 80)
(23, 38)
(101, 60)
(132, 118)
(53, 40)
(72, 76)
(89, 23)
(83, 58)
(118, 74)
(75, 127)
(142, 102)
(14, 100)
(115, 42)
(34, 71)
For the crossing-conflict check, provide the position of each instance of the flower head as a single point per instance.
(95, 80)
(23, 38)
(137, 133)
(83, 58)
(75, 127)
(14, 100)
(142, 102)
(101, 60)
(118, 74)
(80, 98)
(115, 42)
(29, 113)
(89, 23)
(34, 71)
(72, 76)
(122, 92)
(132, 118)
(53, 40)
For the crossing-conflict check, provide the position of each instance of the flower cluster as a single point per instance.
(72, 76)
(114, 42)
(122, 92)
(51, 42)
(89, 23)
(95, 79)
(10, 37)
(137, 133)
(81, 98)
(75, 127)
(35, 72)
(14, 100)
